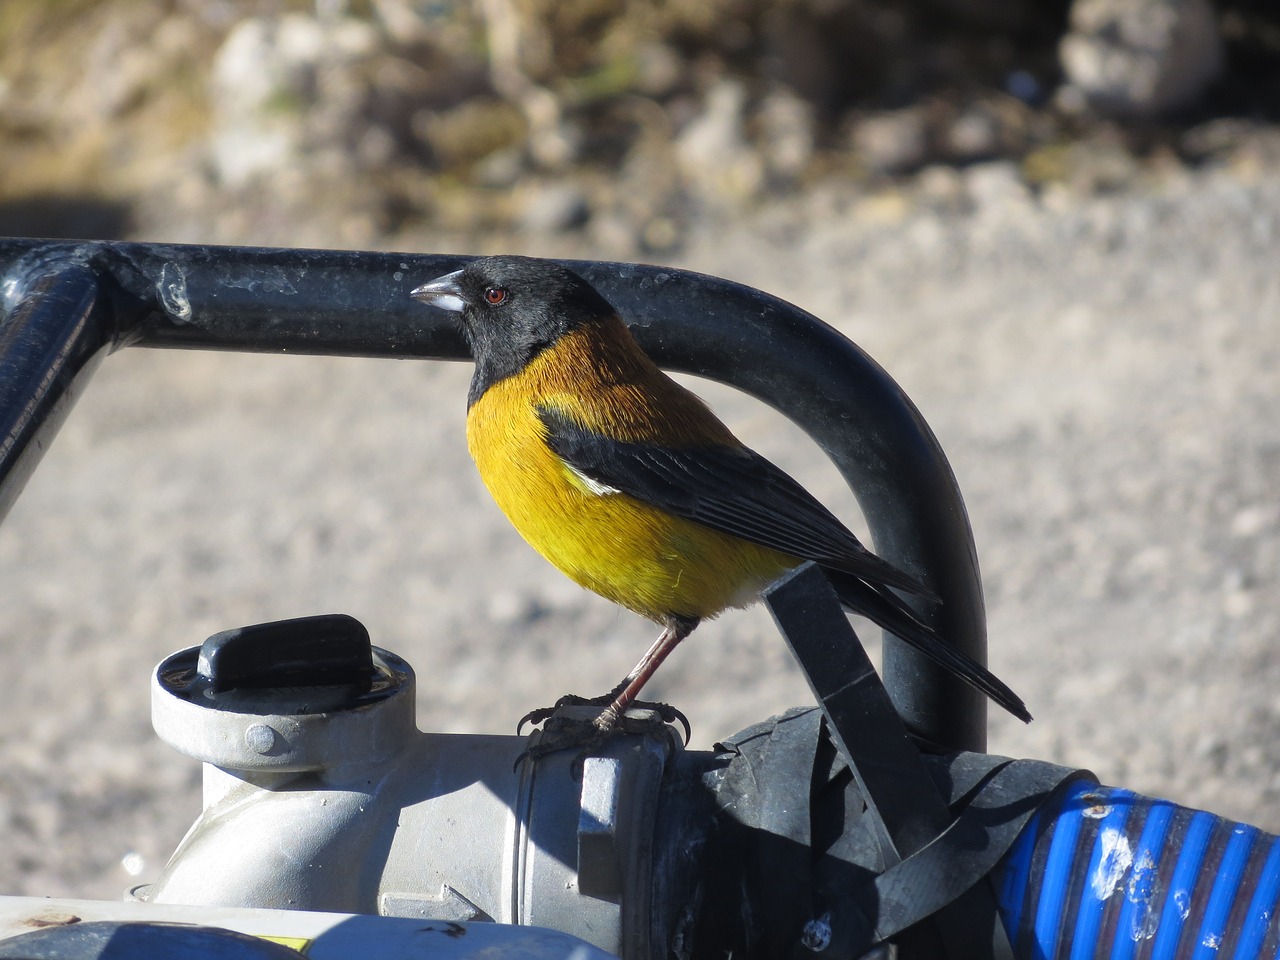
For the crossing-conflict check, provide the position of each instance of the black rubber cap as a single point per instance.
(328, 650)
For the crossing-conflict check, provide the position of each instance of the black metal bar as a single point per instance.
(333, 302)
(860, 717)
(50, 342)
(889, 771)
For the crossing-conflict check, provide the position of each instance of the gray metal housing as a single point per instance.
(350, 808)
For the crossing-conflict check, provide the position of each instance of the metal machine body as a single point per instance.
(320, 793)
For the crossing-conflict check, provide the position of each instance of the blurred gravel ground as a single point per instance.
(1104, 380)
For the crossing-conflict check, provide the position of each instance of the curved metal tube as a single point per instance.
(357, 304)
(50, 342)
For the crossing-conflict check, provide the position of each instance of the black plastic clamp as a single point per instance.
(942, 827)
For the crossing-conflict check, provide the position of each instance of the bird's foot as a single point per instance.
(588, 730)
(606, 721)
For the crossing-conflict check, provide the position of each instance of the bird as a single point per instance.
(630, 485)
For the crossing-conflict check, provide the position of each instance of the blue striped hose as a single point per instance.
(1102, 872)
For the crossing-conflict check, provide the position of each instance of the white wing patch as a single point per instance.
(589, 485)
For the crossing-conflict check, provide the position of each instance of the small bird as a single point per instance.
(630, 485)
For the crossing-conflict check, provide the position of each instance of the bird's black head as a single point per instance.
(513, 308)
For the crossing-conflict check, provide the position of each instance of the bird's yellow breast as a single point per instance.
(628, 551)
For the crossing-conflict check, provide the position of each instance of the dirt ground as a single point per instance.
(1102, 374)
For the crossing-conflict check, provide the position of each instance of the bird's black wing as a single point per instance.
(883, 607)
(730, 489)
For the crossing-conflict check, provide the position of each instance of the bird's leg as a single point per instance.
(618, 699)
(625, 693)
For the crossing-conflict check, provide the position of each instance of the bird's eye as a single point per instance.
(495, 295)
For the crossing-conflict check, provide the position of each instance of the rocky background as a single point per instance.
(353, 123)
(1057, 225)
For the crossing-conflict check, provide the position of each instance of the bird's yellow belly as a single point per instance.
(642, 558)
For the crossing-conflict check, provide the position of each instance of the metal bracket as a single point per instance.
(887, 766)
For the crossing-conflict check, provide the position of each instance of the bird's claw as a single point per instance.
(568, 700)
(665, 711)
(589, 733)
(669, 715)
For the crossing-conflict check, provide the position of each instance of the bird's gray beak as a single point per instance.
(443, 292)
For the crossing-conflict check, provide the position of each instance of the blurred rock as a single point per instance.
(644, 205)
(661, 235)
(120, 71)
(402, 19)
(786, 134)
(471, 132)
(659, 69)
(501, 168)
(554, 208)
(996, 186)
(88, 113)
(974, 135)
(284, 89)
(1247, 146)
(713, 152)
(942, 188)
(234, 117)
(1139, 58)
(893, 142)
(521, 36)
(1068, 172)
(991, 127)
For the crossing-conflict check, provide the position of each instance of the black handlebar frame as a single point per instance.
(67, 304)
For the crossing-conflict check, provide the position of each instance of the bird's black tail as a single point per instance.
(883, 607)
